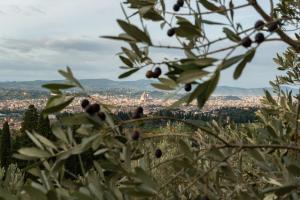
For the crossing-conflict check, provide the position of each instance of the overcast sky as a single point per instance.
(38, 37)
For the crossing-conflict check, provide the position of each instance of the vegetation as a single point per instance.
(187, 159)
(237, 115)
(30, 121)
(5, 150)
(19, 94)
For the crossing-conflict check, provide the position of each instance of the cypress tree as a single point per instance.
(30, 123)
(30, 120)
(43, 127)
(5, 149)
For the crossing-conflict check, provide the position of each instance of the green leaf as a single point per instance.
(186, 29)
(200, 61)
(196, 64)
(128, 73)
(126, 61)
(100, 151)
(134, 32)
(285, 189)
(147, 179)
(231, 35)
(143, 10)
(239, 69)
(171, 83)
(212, 22)
(215, 154)
(183, 99)
(45, 141)
(231, 6)
(204, 90)
(189, 32)
(148, 12)
(33, 193)
(59, 133)
(185, 148)
(58, 86)
(293, 169)
(141, 191)
(212, 7)
(70, 77)
(272, 131)
(191, 75)
(200, 89)
(34, 152)
(282, 190)
(34, 140)
(162, 86)
(78, 119)
(231, 61)
(57, 103)
(270, 98)
(4, 195)
(122, 38)
(163, 6)
(23, 157)
(256, 155)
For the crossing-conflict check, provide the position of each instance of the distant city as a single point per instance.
(17, 96)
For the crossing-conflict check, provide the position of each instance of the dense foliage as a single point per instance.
(234, 114)
(5, 148)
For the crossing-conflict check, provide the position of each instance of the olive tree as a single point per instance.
(190, 26)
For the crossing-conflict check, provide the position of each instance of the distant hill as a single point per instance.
(235, 91)
(90, 84)
(139, 85)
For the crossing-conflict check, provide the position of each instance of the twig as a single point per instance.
(294, 43)
(271, 7)
(208, 171)
(259, 146)
(297, 118)
(207, 12)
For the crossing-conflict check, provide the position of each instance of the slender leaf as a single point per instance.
(128, 73)
(134, 32)
(239, 69)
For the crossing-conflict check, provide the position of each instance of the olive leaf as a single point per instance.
(231, 61)
(128, 73)
(231, 35)
(212, 7)
(247, 58)
(134, 32)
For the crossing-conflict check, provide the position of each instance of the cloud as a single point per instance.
(37, 10)
(26, 59)
(95, 45)
(24, 10)
(78, 44)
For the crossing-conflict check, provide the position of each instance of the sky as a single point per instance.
(38, 37)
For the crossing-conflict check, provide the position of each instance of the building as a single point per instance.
(145, 97)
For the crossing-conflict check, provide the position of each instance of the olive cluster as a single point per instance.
(138, 113)
(92, 109)
(176, 8)
(154, 74)
(259, 37)
(136, 135)
(188, 87)
(178, 5)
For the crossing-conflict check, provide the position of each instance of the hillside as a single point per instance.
(139, 85)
